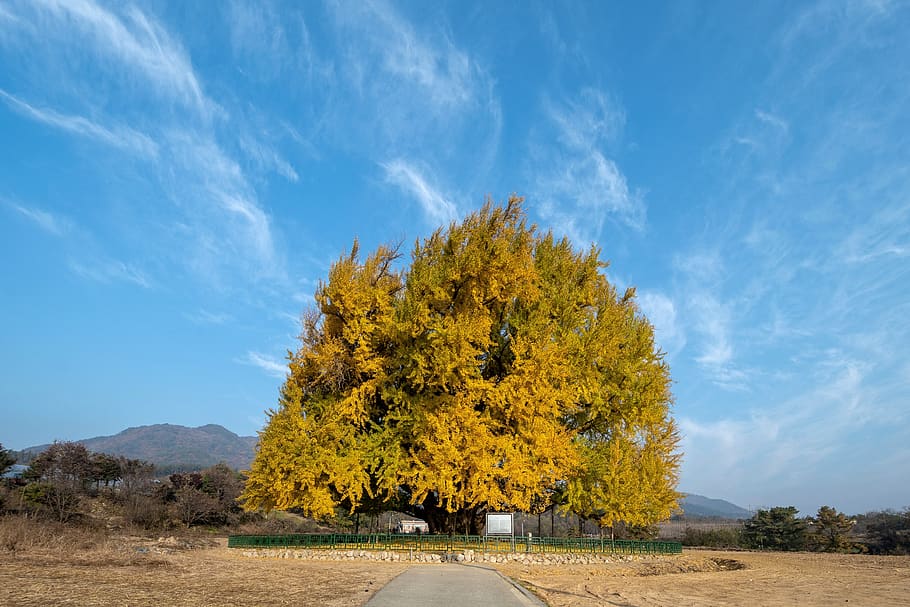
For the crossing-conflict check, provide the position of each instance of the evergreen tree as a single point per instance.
(775, 529)
(831, 530)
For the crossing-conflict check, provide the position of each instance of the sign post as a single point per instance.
(500, 523)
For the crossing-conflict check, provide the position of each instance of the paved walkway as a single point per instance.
(451, 586)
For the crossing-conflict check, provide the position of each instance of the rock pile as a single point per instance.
(468, 556)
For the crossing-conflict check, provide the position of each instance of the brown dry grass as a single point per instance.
(707, 578)
(43, 564)
(83, 568)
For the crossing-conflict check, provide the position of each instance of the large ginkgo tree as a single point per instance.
(498, 370)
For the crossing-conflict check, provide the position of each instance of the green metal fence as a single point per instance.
(453, 543)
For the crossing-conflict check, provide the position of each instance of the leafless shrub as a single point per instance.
(144, 511)
(19, 533)
(280, 523)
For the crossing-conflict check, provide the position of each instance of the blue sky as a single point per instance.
(175, 178)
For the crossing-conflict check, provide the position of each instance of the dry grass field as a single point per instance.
(45, 566)
(707, 578)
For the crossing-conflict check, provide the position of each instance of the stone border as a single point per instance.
(467, 556)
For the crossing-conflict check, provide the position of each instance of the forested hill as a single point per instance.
(696, 506)
(171, 446)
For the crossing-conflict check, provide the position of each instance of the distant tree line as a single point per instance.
(60, 478)
(779, 528)
(885, 532)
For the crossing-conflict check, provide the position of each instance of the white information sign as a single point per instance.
(499, 523)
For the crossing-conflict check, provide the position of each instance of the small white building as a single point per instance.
(16, 471)
(412, 526)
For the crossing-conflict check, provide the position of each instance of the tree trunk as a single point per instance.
(467, 520)
(433, 514)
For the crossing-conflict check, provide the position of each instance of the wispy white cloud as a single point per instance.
(886, 233)
(204, 317)
(146, 47)
(423, 93)
(710, 316)
(703, 267)
(578, 187)
(838, 25)
(221, 228)
(746, 141)
(802, 298)
(132, 40)
(480, 168)
(95, 267)
(6, 14)
(111, 270)
(405, 175)
(761, 135)
(782, 443)
(254, 221)
(270, 365)
(258, 37)
(550, 31)
(445, 75)
(587, 122)
(713, 322)
(118, 136)
(268, 159)
(661, 311)
(49, 222)
(581, 194)
(226, 219)
(775, 121)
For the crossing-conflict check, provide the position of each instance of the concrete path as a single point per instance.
(452, 586)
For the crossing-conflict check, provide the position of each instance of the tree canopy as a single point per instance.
(777, 528)
(499, 371)
(831, 530)
(887, 532)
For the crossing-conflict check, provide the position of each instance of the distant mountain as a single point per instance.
(699, 506)
(170, 446)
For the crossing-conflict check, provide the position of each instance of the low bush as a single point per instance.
(58, 502)
(144, 511)
(713, 538)
(279, 523)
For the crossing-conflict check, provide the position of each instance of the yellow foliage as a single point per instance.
(499, 367)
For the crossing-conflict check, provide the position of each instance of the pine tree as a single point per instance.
(776, 529)
(831, 530)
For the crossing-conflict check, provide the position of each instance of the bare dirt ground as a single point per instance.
(200, 572)
(703, 578)
(151, 573)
